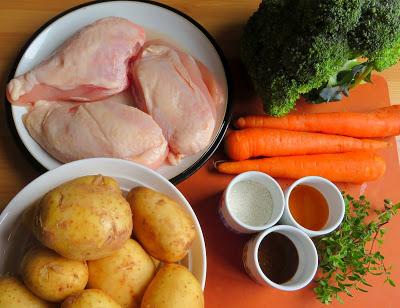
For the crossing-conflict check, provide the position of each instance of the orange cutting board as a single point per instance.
(227, 283)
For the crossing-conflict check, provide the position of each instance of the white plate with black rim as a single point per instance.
(158, 20)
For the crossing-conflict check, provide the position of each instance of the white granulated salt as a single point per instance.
(250, 202)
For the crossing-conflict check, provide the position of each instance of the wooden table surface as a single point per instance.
(224, 19)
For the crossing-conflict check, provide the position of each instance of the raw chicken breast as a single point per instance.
(91, 65)
(109, 128)
(180, 94)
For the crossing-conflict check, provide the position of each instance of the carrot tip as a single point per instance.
(216, 163)
(239, 122)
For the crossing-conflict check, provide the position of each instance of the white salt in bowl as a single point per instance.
(233, 221)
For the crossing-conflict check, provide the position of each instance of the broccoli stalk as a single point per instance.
(350, 75)
(294, 48)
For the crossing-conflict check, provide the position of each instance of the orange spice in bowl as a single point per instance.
(309, 207)
(314, 205)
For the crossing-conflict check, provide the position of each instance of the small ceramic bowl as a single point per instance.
(234, 223)
(333, 197)
(308, 259)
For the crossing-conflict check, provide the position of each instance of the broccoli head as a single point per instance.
(295, 47)
(377, 35)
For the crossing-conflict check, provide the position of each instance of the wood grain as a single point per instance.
(20, 18)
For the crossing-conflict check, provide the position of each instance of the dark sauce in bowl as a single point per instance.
(278, 257)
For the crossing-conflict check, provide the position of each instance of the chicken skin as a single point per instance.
(108, 128)
(91, 65)
(180, 94)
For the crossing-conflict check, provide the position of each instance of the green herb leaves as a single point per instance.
(350, 253)
(347, 78)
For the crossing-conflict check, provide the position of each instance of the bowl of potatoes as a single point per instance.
(101, 232)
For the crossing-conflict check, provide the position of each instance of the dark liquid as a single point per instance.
(278, 257)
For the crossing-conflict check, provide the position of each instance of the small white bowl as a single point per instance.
(333, 197)
(235, 224)
(308, 259)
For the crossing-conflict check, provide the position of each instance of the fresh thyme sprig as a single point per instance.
(350, 253)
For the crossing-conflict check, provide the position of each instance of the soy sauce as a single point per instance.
(278, 257)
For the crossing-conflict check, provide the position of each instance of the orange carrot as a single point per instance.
(253, 142)
(353, 167)
(383, 122)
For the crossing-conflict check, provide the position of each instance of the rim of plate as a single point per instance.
(184, 174)
(115, 161)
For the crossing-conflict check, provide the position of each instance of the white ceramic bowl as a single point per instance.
(308, 259)
(159, 21)
(234, 223)
(14, 237)
(333, 197)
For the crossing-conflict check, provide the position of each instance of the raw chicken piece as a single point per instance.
(109, 128)
(91, 65)
(180, 94)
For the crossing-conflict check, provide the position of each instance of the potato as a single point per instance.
(13, 294)
(173, 286)
(124, 275)
(164, 229)
(51, 276)
(90, 298)
(156, 262)
(99, 180)
(84, 219)
(27, 216)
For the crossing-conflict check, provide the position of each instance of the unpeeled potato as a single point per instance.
(13, 294)
(173, 286)
(90, 298)
(99, 181)
(84, 219)
(156, 262)
(51, 276)
(28, 215)
(160, 224)
(124, 275)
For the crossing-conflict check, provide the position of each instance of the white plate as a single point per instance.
(14, 236)
(158, 20)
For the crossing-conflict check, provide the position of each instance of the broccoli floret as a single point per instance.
(265, 70)
(294, 47)
(387, 57)
(377, 35)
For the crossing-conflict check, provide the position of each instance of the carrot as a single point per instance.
(252, 142)
(383, 122)
(353, 167)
